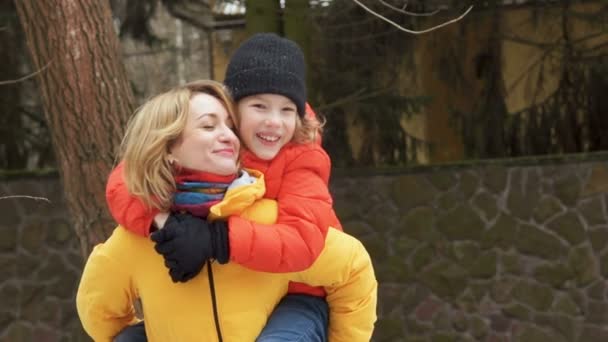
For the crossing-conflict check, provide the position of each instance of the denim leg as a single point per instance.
(297, 317)
(132, 333)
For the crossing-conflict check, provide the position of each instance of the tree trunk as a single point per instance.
(13, 155)
(86, 97)
(263, 16)
(297, 25)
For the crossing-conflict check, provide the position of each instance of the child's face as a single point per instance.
(207, 143)
(267, 123)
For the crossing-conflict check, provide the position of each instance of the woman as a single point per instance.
(183, 141)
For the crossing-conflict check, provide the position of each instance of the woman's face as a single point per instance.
(208, 142)
(267, 123)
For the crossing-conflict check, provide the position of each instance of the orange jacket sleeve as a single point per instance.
(125, 208)
(304, 216)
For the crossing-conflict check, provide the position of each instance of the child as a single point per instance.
(266, 76)
(180, 154)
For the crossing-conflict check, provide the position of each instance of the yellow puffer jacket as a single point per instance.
(239, 300)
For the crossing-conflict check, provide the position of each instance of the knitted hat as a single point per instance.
(268, 64)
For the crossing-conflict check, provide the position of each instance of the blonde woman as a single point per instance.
(180, 155)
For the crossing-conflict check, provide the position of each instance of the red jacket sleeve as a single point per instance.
(126, 209)
(305, 214)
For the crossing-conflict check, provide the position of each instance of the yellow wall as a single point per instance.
(224, 42)
(461, 44)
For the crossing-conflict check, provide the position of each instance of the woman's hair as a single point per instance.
(150, 134)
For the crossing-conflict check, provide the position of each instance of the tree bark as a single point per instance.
(86, 97)
(263, 16)
(298, 27)
(12, 153)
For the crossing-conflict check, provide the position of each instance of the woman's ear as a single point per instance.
(171, 159)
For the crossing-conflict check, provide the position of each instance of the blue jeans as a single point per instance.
(132, 333)
(298, 317)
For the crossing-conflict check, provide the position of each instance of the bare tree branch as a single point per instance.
(194, 12)
(27, 197)
(359, 95)
(413, 31)
(413, 14)
(26, 76)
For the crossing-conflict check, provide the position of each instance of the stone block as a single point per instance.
(597, 312)
(445, 279)
(422, 257)
(566, 306)
(60, 232)
(388, 329)
(547, 207)
(9, 297)
(449, 200)
(501, 234)
(418, 224)
(517, 311)
(569, 226)
(442, 180)
(555, 275)
(469, 184)
(583, 264)
(486, 203)
(568, 189)
(564, 326)
(484, 267)
(8, 243)
(495, 178)
(33, 236)
(539, 297)
(18, 331)
(462, 223)
(411, 191)
(592, 211)
(598, 238)
(597, 183)
(594, 333)
(530, 333)
(536, 242)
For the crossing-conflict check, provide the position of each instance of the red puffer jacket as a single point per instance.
(298, 179)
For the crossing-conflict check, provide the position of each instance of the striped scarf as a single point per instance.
(199, 191)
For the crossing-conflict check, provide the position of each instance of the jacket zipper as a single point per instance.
(216, 317)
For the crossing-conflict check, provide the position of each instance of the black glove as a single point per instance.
(187, 242)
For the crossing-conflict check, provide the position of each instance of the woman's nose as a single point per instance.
(228, 134)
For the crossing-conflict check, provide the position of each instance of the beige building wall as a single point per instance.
(461, 44)
(224, 42)
(180, 55)
(445, 69)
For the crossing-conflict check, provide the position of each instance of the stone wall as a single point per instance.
(40, 264)
(486, 252)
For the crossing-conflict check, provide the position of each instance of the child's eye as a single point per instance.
(288, 111)
(258, 106)
(208, 127)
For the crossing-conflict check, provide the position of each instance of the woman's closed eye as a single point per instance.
(208, 127)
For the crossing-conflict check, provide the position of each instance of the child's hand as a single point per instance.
(187, 242)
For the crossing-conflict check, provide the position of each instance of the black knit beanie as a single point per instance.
(268, 64)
